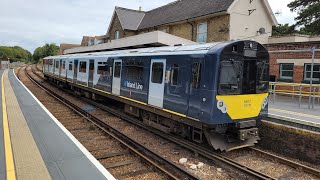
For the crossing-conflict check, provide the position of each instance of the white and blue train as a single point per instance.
(215, 92)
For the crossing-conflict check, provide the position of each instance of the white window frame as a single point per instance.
(281, 71)
(200, 33)
(305, 72)
(117, 35)
(89, 42)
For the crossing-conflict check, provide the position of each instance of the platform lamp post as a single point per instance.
(311, 77)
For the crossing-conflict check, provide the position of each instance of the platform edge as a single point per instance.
(92, 159)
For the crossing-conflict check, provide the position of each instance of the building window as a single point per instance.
(89, 42)
(83, 67)
(174, 75)
(316, 72)
(286, 71)
(202, 33)
(117, 35)
(157, 73)
(164, 30)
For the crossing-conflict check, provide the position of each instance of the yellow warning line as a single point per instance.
(10, 170)
(295, 113)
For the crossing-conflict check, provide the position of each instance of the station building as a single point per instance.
(200, 21)
(203, 21)
(184, 22)
(291, 58)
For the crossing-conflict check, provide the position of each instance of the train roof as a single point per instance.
(167, 50)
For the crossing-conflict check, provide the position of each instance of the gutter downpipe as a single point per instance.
(192, 34)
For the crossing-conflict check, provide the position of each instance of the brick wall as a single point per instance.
(298, 71)
(290, 141)
(115, 26)
(181, 30)
(218, 29)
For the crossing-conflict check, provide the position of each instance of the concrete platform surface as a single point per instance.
(287, 108)
(38, 146)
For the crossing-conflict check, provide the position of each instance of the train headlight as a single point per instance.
(221, 105)
(265, 103)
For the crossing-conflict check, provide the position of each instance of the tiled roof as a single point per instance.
(129, 19)
(183, 10)
(176, 11)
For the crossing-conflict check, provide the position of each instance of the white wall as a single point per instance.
(243, 26)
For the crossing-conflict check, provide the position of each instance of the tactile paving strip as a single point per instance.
(28, 160)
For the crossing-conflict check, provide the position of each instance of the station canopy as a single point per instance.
(151, 39)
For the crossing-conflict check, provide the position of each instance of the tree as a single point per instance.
(44, 51)
(282, 30)
(15, 53)
(308, 15)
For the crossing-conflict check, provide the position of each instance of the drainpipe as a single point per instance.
(191, 30)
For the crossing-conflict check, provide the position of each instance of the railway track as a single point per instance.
(77, 123)
(219, 159)
(288, 162)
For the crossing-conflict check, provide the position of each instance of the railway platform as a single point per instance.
(34, 145)
(287, 109)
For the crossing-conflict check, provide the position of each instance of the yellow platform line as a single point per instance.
(10, 169)
(295, 113)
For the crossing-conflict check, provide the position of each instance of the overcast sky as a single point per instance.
(32, 23)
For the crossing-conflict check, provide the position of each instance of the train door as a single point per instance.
(195, 88)
(116, 80)
(60, 68)
(54, 67)
(91, 72)
(156, 83)
(75, 70)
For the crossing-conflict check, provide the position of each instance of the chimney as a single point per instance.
(140, 8)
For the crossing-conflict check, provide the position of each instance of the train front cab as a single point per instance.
(242, 95)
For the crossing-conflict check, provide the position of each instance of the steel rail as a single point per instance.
(216, 157)
(164, 165)
(288, 162)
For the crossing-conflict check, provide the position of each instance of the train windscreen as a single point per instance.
(230, 77)
(244, 69)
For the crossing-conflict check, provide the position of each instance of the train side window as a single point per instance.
(83, 67)
(103, 69)
(157, 73)
(63, 64)
(91, 65)
(117, 69)
(70, 66)
(196, 75)
(57, 64)
(134, 71)
(174, 74)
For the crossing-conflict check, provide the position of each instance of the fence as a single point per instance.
(296, 90)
